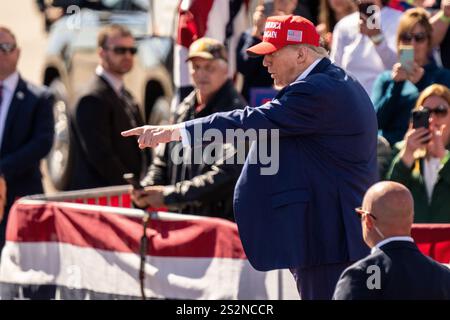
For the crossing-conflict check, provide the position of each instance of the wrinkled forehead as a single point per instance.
(119, 39)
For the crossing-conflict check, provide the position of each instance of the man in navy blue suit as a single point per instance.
(395, 269)
(301, 217)
(26, 128)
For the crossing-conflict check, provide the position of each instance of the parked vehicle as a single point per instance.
(71, 59)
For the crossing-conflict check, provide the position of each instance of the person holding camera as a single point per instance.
(427, 174)
(364, 41)
(396, 90)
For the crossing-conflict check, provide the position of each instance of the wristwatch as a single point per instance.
(377, 39)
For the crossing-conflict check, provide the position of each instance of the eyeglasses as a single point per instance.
(418, 37)
(440, 111)
(123, 50)
(7, 48)
(361, 212)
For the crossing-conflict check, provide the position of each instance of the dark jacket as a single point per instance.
(404, 274)
(437, 210)
(300, 212)
(199, 189)
(27, 139)
(101, 155)
(251, 68)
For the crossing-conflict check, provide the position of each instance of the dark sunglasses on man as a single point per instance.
(361, 212)
(123, 50)
(7, 48)
(440, 111)
(418, 37)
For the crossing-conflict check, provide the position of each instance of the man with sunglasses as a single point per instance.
(26, 130)
(106, 108)
(395, 269)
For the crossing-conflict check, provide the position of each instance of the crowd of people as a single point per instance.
(397, 55)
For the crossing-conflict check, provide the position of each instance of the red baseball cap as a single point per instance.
(280, 31)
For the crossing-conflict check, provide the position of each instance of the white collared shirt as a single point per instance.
(431, 168)
(308, 70)
(358, 55)
(9, 87)
(114, 82)
(387, 240)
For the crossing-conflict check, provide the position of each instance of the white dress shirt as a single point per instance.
(9, 87)
(387, 240)
(113, 81)
(431, 168)
(358, 55)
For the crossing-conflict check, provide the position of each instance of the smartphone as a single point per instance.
(420, 118)
(130, 178)
(406, 54)
(364, 8)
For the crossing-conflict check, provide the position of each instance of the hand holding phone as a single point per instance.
(420, 119)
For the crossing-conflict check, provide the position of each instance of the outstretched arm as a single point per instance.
(151, 136)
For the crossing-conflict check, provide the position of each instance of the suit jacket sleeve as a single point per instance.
(94, 137)
(39, 144)
(293, 113)
(206, 187)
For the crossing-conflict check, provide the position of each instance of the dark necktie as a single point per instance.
(130, 108)
(133, 113)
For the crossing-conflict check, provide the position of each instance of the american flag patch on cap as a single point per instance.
(294, 35)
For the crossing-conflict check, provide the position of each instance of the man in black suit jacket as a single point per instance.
(26, 128)
(395, 269)
(102, 112)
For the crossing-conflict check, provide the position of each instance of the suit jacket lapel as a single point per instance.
(18, 97)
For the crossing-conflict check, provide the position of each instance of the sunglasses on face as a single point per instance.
(7, 47)
(439, 111)
(361, 212)
(418, 37)
(123, 50)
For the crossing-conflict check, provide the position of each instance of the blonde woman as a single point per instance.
(428, 176)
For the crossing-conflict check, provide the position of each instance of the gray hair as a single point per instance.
(319, 51)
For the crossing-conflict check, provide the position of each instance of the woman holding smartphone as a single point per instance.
(427, 176)
(395, 91)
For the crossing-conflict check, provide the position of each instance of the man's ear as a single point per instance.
(101, 52)
(301, 54)
(368, 222)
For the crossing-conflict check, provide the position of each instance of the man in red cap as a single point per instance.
(301, 216)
